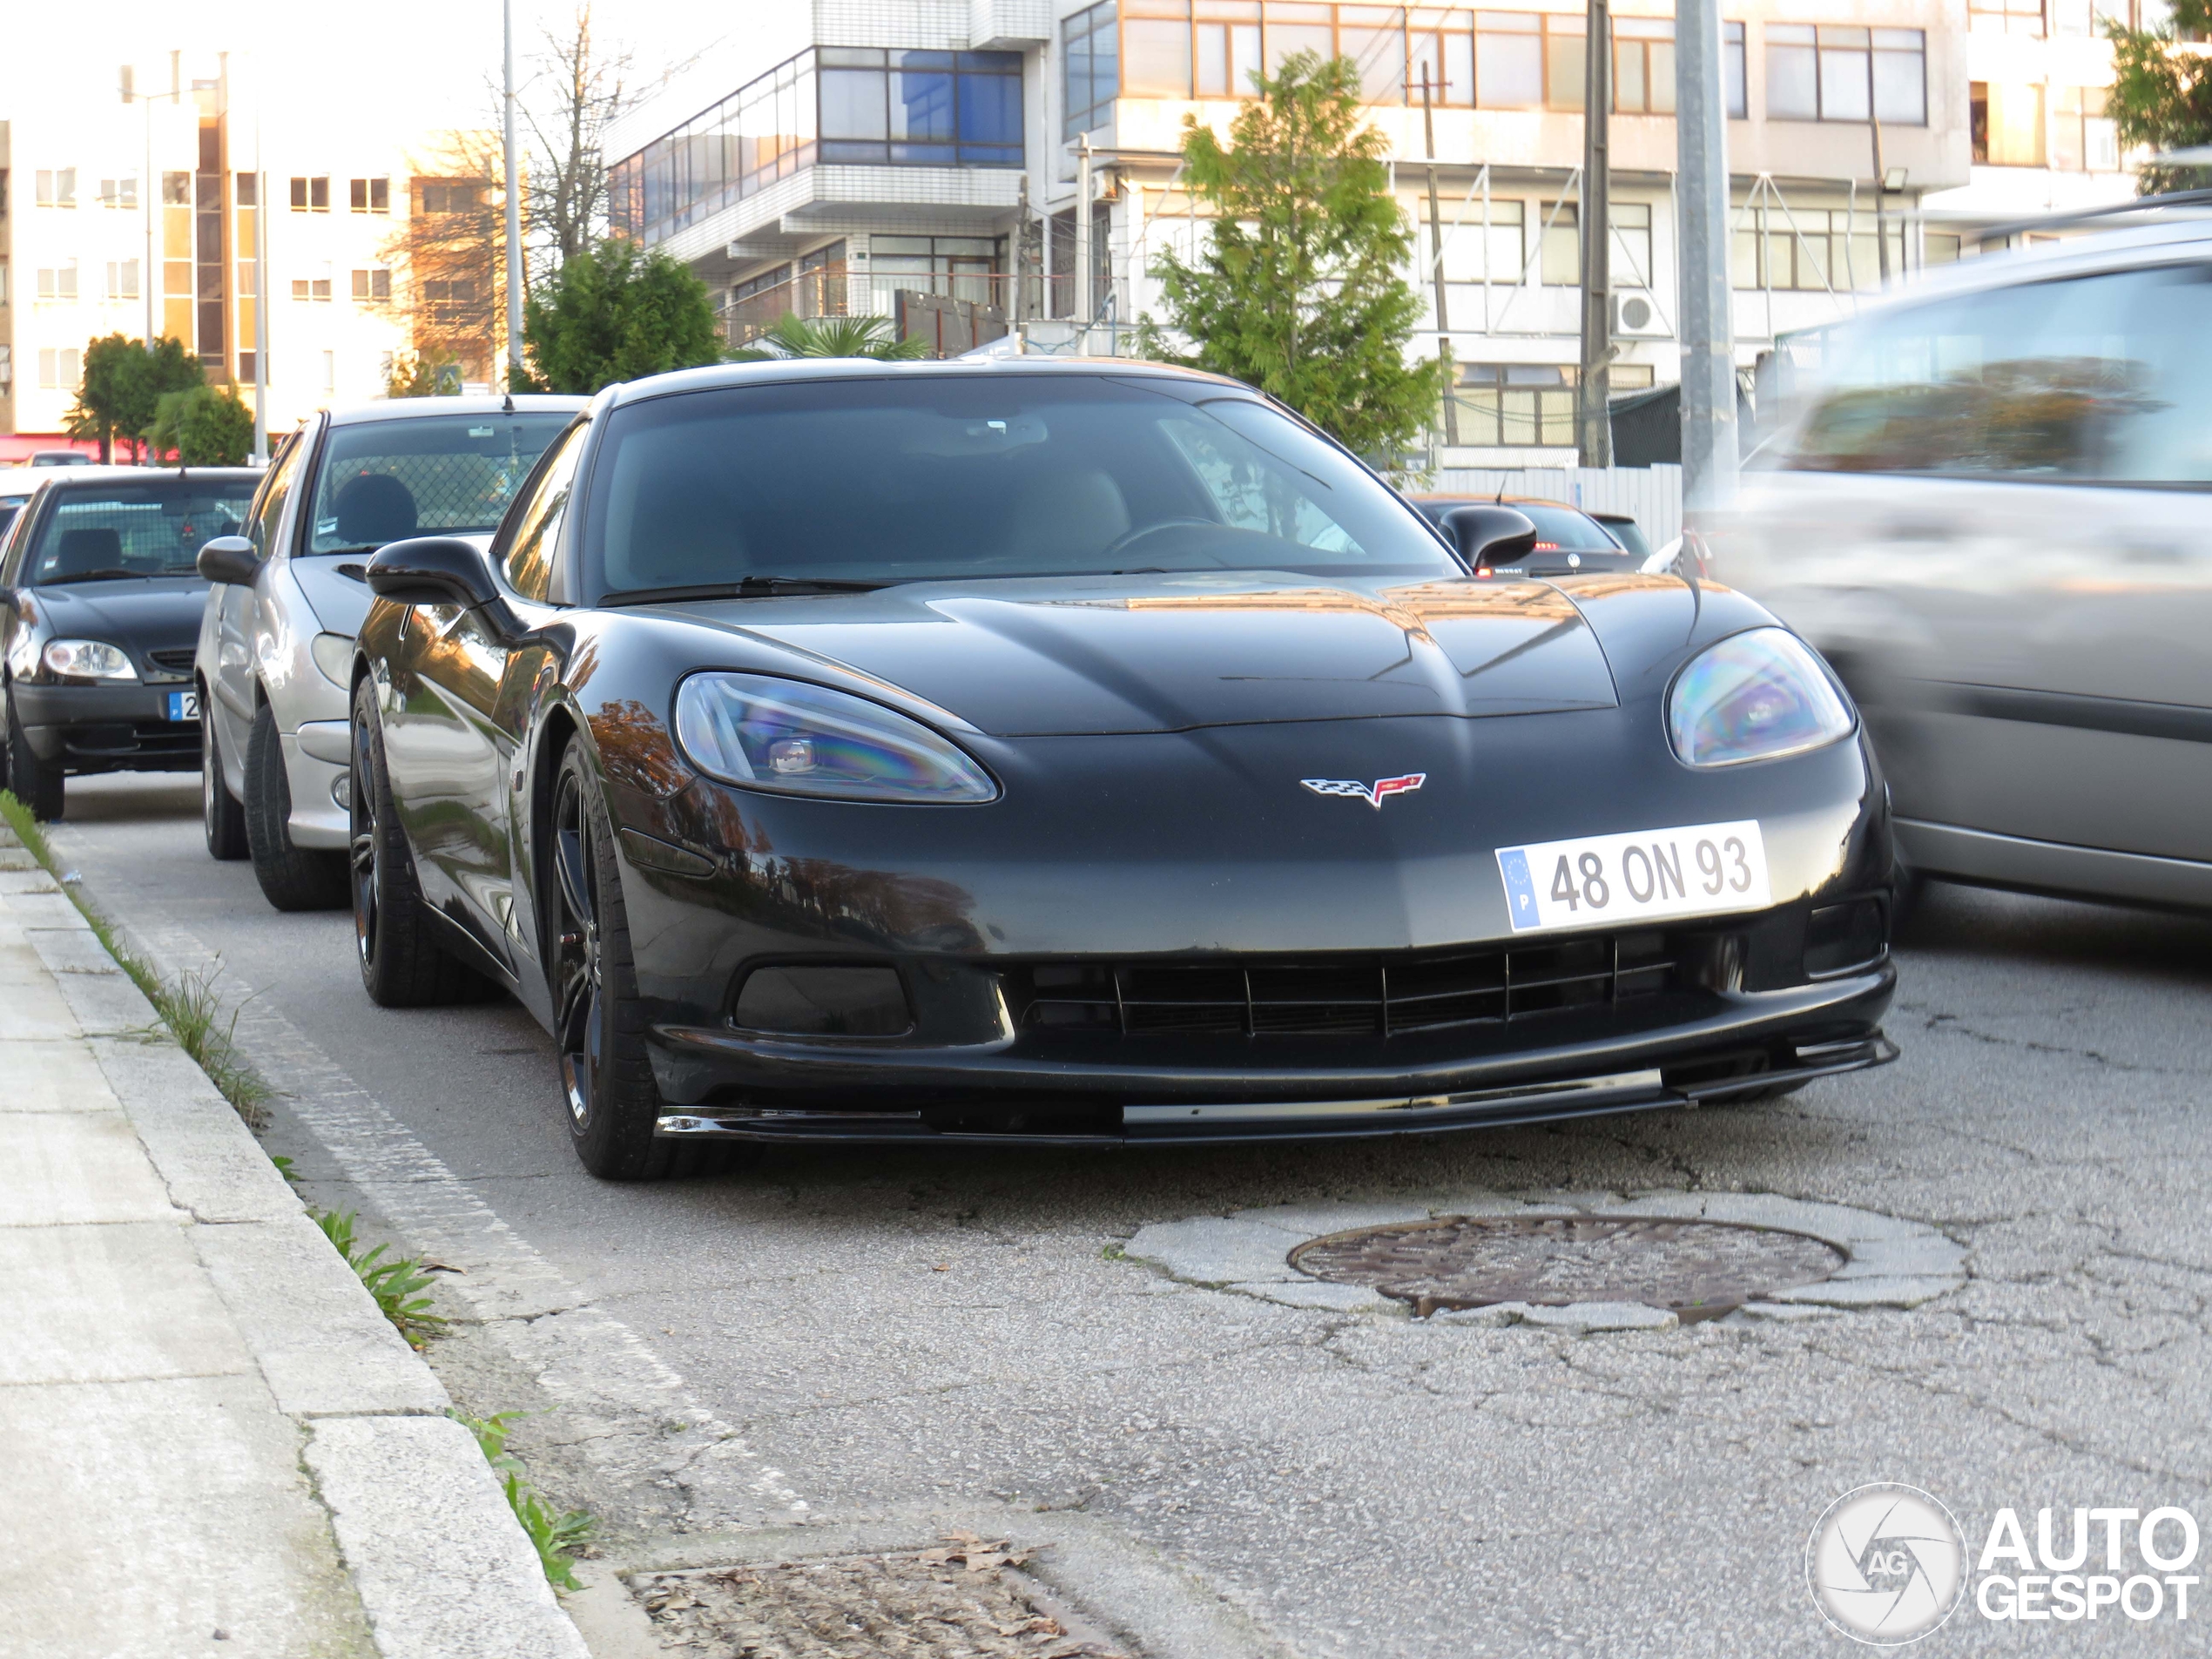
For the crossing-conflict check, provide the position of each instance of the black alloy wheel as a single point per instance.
(599, 1020)
(402, 965)
(37, 784)
(222, 820)
(291, 877)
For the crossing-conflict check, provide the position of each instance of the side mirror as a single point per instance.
(1490, 535)
(433, 571)
(228, 558)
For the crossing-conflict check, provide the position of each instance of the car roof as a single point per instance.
(856, 368)
(1459, 500)
(2160, 243)
(78, 477)
(413, 408)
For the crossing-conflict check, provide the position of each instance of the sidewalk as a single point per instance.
(210, 1441)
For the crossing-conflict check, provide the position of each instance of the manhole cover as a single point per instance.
(1699, 1270)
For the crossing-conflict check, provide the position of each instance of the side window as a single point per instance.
(537, 524)
(269, 510)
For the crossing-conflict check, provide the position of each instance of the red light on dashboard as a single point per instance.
(1546, 547)
(1483, 570)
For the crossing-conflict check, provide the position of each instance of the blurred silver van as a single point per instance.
(1994, 516)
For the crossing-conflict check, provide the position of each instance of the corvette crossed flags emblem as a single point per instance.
(1374, 794)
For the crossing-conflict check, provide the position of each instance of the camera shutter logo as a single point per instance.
(1886, 1564)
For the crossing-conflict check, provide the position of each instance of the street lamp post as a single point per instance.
(148, 188)
(514, 209)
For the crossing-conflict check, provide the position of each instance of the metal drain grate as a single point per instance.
(1697, 1270)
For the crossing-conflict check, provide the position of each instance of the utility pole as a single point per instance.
(260, 284)
(1709, 454)
(1593, 421)
(514, 210)
(1083, 300)
(149, 184)
(1436, 268)
(1874, 126)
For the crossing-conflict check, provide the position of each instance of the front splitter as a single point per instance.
(1214, 1122)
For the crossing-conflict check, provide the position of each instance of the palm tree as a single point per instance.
(797, 336)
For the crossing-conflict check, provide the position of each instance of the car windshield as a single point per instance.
(384, 480)
(109, 532)
(1629, 534)
(941, 476)
(2104, 377)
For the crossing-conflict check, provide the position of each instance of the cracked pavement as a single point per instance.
(917, 1338)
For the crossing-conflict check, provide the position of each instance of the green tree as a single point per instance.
(2161, 96)
(616, 311)
(797, 336)
(122, 387)
(1298, 290)
(203, 426)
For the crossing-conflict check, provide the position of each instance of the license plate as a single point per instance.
(1701, 870)
(184, 705)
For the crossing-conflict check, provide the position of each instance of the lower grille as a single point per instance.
(1348, 997)
(178, 659)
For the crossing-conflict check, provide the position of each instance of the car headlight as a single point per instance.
(801, 739)
(1752, 696)
(86, 659)
(333, 654)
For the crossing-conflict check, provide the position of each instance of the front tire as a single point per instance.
(403, 964)
(37, 784)
(599, 1020)
(222, 819)
(291, 877)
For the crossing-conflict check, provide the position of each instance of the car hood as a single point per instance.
(1078, 656)
(150, 613)
(337, 590)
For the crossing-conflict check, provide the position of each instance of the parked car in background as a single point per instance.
(100, 600)
(1567, 539)
(1058, 751)
(1992, 519)
(61, 458)
(277, 640)
(1623, 528)
(16, 485)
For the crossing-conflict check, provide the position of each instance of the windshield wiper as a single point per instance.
(752, 587)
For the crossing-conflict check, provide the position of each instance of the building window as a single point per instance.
(176, 190)
(1827, 73)
(962, 266)
(448, 299)
(369, 195)
(1732, 68)
(314, 287)
(1643, 66)
(452, 195)
(330, 371)
(248, 190)
(119, 193)
(58, 281)
(122, 278)
(1631, 251)
(57, 186)
(920, 109)
(1562, 265)
(60, 370)
(249, 279)
(2005, 121)
(373, 286)
(311, 195)
(249, 367)
(2005, 17)
(1812, 249)
(1091, 61)
(1475, 253)
(3, 282)
(2083, 138)
(1516, 406)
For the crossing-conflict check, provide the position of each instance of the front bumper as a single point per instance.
(1697, 1047)
(107, 728)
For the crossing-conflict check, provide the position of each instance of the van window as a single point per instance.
(2094, 378)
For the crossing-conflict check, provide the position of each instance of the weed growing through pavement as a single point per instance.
(188, 1006)
(396, 1283)
(556, 1536)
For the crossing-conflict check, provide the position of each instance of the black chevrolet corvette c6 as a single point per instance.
(1087, 752)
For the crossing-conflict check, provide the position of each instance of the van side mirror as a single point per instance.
(433, 571)
(227, 558)
(1490, 535)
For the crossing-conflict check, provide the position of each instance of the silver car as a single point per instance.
(276, 641)
(1993, 519)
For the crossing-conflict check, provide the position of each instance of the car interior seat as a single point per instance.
(81, 552)
(1073, 514)
(374, 508)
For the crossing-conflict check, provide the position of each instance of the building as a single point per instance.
(924, 161)
(128, 199)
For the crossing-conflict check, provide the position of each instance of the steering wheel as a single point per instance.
(1130, 538)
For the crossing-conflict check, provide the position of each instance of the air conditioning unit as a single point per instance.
(1635, 317)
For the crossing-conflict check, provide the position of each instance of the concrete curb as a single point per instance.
(442, 1567)
(1891, 1263)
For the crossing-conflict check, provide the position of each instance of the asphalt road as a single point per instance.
(876, 1346)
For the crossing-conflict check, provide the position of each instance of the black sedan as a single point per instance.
(1088, 752)
(99, 605)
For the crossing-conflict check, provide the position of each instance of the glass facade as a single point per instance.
(833, 104)
(1500, 60)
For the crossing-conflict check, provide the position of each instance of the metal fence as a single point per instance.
(1651, 495)
(837, 291)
